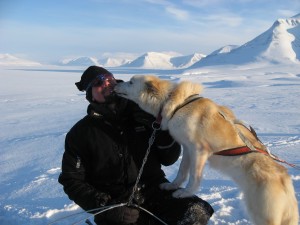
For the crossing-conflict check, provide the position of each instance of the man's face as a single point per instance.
(103, 87)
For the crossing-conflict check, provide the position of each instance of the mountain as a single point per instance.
(159, 60)
(279, 44)
(149, 60)
(80, 61)
(114, 61)
(152, 60)
(225, 49)
(11, 60)
(186, 60)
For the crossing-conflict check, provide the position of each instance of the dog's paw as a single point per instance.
(168, 186)
(182, 193)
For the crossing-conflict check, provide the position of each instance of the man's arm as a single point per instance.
(72, 178)
(168, 150)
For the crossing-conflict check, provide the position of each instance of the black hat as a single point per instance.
(89, 75)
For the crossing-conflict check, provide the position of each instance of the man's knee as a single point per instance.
(198, 212)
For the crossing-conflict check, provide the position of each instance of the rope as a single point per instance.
(75, 214)
(107, 208)
(150, 213)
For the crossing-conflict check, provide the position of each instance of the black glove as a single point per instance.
(123, 214)
(164, 139)
(102, 199)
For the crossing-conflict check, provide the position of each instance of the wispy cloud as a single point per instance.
(178, 13)
(202, 3)
(171, 9)
(228, 19)
(158, 2)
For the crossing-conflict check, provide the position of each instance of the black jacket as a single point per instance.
(104, 152)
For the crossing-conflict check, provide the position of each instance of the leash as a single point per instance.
(103, 210)
(87, 211)
(155, 127)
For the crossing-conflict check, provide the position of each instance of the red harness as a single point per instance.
(239, 151)
(245, 150)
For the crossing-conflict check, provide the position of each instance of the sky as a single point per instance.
(52, 30)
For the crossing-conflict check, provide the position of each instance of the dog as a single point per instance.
(205, 130)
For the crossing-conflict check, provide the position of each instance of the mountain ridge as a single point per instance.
(278, 44)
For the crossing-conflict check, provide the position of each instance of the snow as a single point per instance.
(39, 106)
(11, 60)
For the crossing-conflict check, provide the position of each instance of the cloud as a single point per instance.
(171, 9)
(226, 19)
(178, 13)
(158, 2)
(202, 3)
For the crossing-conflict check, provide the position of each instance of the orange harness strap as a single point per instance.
(239, 151)
(245, 150)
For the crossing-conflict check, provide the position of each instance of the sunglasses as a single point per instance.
(100, 79)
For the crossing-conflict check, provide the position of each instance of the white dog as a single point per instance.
(209, 131)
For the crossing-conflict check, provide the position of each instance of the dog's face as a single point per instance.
(131, 89)
(143, 90)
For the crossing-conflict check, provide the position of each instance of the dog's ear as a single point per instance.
(151, 89)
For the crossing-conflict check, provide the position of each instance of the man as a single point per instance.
(104, 152)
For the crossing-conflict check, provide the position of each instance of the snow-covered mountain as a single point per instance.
(11, 60)
(159, 60)
(279, 44)
(186, 60)
(225, 49)
(149, 60)
(114, 61)
(153, 60)
(80, 61)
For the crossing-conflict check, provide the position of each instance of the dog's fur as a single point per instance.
(201, 129)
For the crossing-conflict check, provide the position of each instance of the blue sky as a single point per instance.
(50, 30)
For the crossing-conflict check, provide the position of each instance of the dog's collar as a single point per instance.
(187, 101)
(159, 116)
